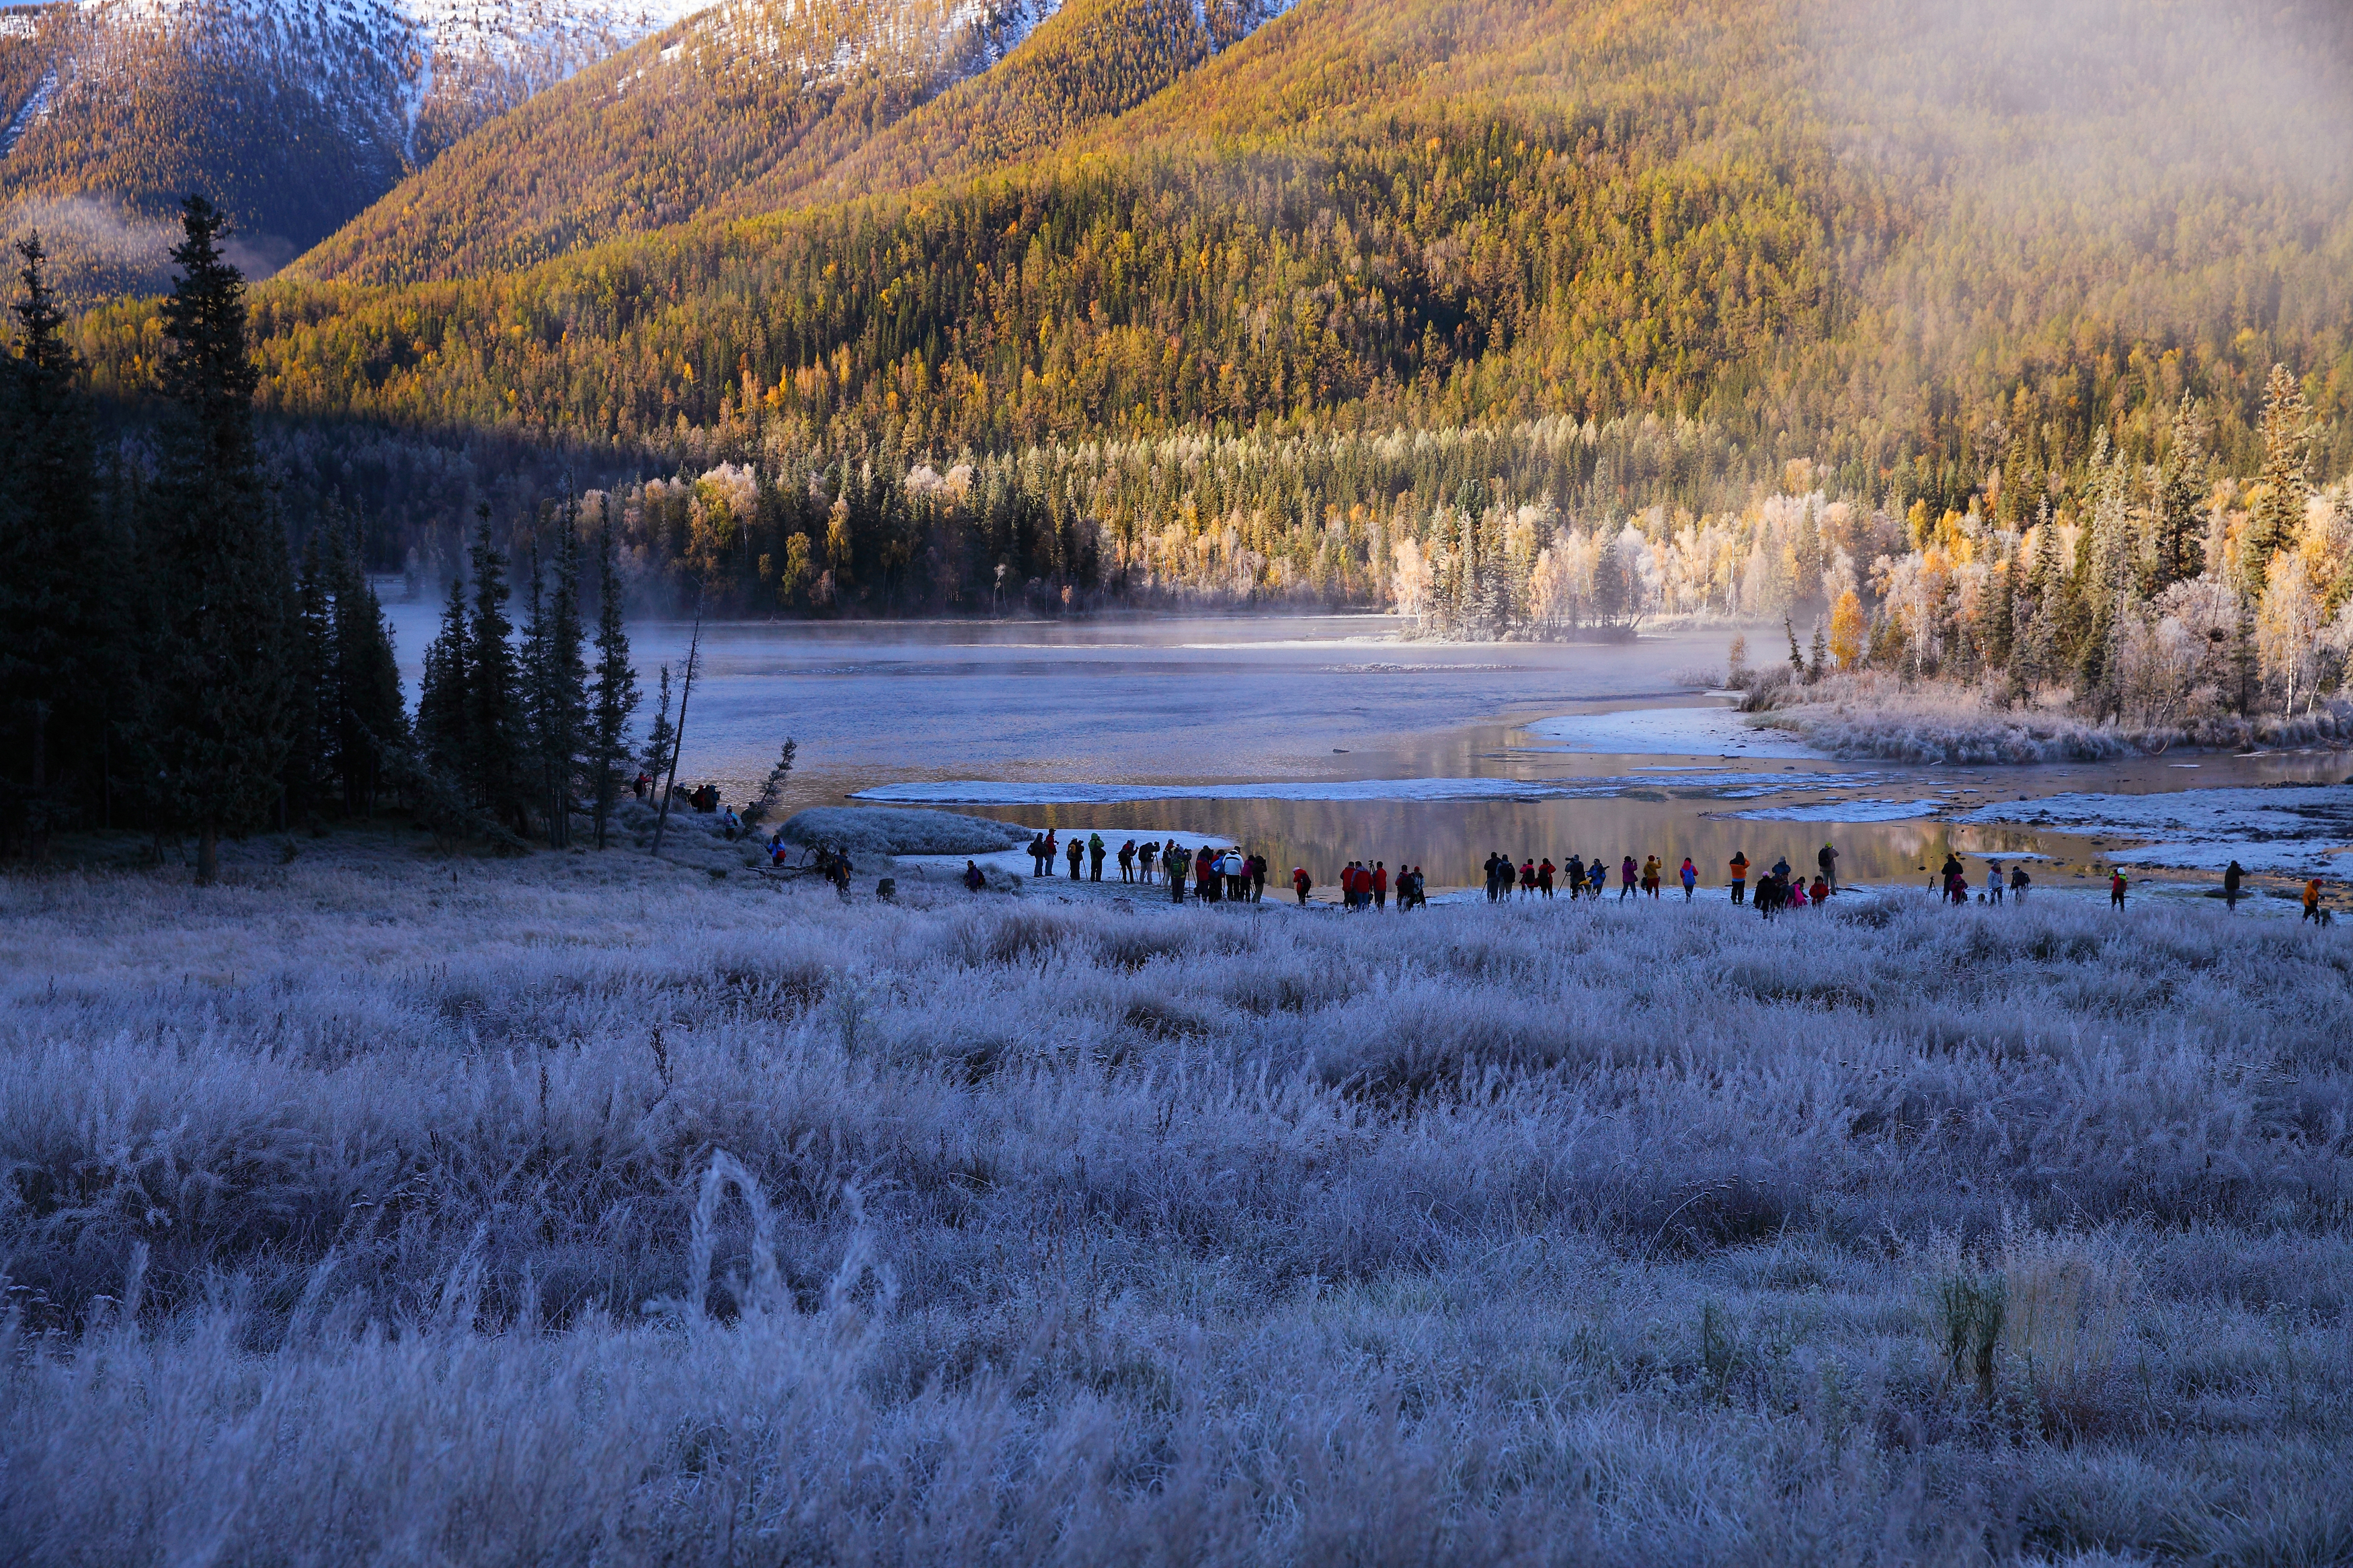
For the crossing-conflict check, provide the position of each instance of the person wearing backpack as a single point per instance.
(1300, 883)
(1689, 875)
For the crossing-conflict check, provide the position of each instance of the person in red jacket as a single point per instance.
(1301, 882)
(1380, 884)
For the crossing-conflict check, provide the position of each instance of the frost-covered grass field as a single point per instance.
(578, 1209)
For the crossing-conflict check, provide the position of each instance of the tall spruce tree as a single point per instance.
(615, 697)
(2177, 519)
(310, 665)
(219, 687)
(659, 738)
(2110, 576)
(368, 720)
(493, 761)
(2277, 516)
(444, 711)
(62, 633)
(558, 679)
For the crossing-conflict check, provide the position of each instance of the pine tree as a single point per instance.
(2277, 515)
(444, 709)
(615, 697)
(659, 739)
(493, 761)
(367, 715)
(557, 682)
(62, 632)
(1819, 654)
(2001, 615)
(2177, 523)
(2110, 577)
(219, 687)
(310, 706)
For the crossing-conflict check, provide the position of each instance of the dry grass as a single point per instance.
(579, 1209)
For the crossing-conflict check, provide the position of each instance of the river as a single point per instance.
(1323, 738)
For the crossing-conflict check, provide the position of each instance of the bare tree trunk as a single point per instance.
(678, 736)
(207, 855)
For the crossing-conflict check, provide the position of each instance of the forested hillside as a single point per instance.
(1637, 262)
(762, 105)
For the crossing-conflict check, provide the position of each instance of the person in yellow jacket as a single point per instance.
(2312, 900)
(1650, 876)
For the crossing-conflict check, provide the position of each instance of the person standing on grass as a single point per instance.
(1543, 876)
(1381, 886)
(1205, 875)
(1257, 868)
(973, 878)
(1172, 861)
(1740, 874)
(1629, 875)
(1827, 861)
(2115, 890)
(1527, 878)
(2231, 877)
(1146, 854)
(1689, 874)
(1652, 875)
(2311, 901)
(1597, 878)
(1127, 861)
(1095, 850)
(1300, 883)
(2018, 883)
(1993, 881)
(1074, 852)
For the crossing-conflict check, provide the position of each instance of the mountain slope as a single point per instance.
(1855, 234)
(292, 115)
(757, 107)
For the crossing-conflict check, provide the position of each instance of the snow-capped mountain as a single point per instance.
(294, 115)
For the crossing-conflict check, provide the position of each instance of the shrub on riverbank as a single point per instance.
(373, 1212)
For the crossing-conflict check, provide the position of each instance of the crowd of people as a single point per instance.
(1211, 874)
